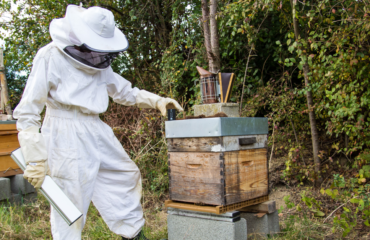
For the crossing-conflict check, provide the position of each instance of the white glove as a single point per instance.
(146, 99)
(167, 103)
(34, 151)
(35, 173)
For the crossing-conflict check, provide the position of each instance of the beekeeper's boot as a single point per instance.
(140, 236)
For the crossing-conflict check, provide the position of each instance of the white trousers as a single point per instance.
(88, 163)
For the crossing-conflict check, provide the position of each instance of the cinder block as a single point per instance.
(20, 185)
(194, 228)
(5, 192)
(257, 226)
(261, 226)
(19, 199)
(230, 109)
(274, 226)
(16, 199)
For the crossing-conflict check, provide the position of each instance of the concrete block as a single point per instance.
(20, 185)
(274, 226)
(5, 192)
(230, 109)
(257, 226)
(19, 199)
(261, 226)
(194, 228)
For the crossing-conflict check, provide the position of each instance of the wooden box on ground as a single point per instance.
(8, 143)
(217, 170)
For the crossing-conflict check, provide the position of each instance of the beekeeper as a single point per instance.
(73, 77)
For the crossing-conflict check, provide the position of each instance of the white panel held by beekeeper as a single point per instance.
(72, 76)
(52, 192)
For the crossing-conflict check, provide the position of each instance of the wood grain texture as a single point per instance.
(11, 172)
(7, 132)
(218, 178)
(203, 144)
(8, 138)
(214, 144)
(6, 163)
(196, 177)
(215, 209)
(246, 175)
(8, 143)
(202, 193)
(8, 126)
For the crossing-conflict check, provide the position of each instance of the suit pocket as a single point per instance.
(63, 163)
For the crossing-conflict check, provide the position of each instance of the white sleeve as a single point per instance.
(34, 96)
(28, 112)
(122, 92)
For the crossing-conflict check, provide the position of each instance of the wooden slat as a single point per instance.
(8, 132)
(11, 172)
(246, 175)
(6, 162)
(229, 89)
(192, 207)
(215, 209)
(8, 138)
(12, 126)
(209, 193)
(9, 146)
(6, 153)
(204, 144)
(196, 177)
(214, 144)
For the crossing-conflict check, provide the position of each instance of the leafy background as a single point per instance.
(166, 44)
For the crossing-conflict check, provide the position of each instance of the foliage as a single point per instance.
(166, 43)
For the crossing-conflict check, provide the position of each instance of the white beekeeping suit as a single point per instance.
(73, 77)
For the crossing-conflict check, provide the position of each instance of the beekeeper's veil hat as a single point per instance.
(88, 35)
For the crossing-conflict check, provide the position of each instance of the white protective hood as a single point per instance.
(93, 27)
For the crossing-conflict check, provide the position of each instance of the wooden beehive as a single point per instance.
(8, 143)
(219, 170)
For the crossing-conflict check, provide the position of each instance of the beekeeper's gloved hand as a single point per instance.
(34, 152)
(35, 173)
(167, 103)
(146, 99)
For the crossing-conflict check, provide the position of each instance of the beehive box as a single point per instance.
(217, 161)
(8, 143)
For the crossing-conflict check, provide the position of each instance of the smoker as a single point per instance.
(215, 88)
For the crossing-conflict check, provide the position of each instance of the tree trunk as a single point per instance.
(311, 111)
(211, 41)
(207, 34)
(216, 64)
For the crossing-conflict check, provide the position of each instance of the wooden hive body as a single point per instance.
(8, 143)
(218, 170)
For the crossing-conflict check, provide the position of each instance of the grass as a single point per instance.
(31, 221)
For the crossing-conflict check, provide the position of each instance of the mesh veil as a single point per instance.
(90, 58)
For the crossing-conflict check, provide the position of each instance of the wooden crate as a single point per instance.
(216, 178)
(8, 143)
